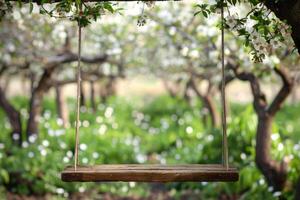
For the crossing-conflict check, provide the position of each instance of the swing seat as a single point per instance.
(151, 173)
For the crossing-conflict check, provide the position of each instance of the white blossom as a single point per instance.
(83, 147)
(45, 143)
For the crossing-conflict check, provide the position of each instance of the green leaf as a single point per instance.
(30, 6)
(20, 3)
(5, 176)
(108, 7)
(205, 14)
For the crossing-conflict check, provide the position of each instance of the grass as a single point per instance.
(159, 130)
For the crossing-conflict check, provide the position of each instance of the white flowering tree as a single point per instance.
(279, 62)
(27, 54)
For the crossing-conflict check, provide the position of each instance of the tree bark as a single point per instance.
(274, 172)
(289, 11)
(186, 95)
(297, 196)
(209, 104)
(82, 95)
(108, 88)
(37, 98)
(93, 100)
(13, 115)
(62, 107)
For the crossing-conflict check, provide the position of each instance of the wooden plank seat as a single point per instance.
(150, 173)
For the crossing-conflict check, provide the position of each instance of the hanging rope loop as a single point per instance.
(223, 94)
(76, 162)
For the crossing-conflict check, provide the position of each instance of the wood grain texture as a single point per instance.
(150, 173)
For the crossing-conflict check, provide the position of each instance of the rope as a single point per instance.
(78, 98)
(224, 123)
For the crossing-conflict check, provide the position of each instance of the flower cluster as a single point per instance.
(259, 43)
(5, 7)
(142, 20)
(232, 22)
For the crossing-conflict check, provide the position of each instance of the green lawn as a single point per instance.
(158, 130)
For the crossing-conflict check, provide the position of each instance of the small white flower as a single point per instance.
(184, 51)
(243, 156)
(296, 147)
(45, 143)
(275, 136)
(30, 154)
(102, 129)
(210, 137)
(276, 194)
(25, 144)
(189, 130)
(270, 189)
(141, 158)
(47, 115)
(62, 145)
(178, 143)
(280, 147)
(261, 181)
(2, 146)
(83, 147)
(32, 138)
(16, 136)
(275, 43)
(43, 152)
(59, 122)
(83, 109)
(59, 132)
(108, 112)
(131, 184)
(86, 123)
(66, 159)
(85, 160)
(60, 190)
(40, 147)
(51, 132)
(95, 155)
(232, 22)
(69, 154)
(81, 189)
(99, 119)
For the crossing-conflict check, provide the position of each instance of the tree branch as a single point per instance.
(260, 101)
(286, 89)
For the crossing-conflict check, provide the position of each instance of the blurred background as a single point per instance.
(151, 79)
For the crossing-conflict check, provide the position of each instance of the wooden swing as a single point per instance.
(152, 173)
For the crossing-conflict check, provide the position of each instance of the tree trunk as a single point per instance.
(186, 95)
(170, 89)
(213, 111)
(93, 100)
(34, 112)
(297, 196)
(208, 103)
(32, 82)
(13, 115)
(82, 95)
(62, 107)
(37, 98)
(289, 11)
(107, 89)
(111, 86)
(275, 172)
